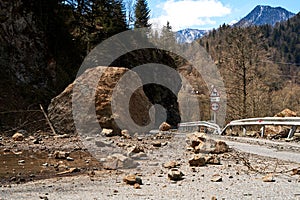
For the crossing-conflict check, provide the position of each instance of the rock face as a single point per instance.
(60, 109)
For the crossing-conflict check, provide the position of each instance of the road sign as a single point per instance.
(215, 99)
(215, 106)
(214, 92)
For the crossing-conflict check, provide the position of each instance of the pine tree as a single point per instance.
(142, 15)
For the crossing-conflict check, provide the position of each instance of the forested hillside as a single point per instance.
(43, 44)
(259, 65)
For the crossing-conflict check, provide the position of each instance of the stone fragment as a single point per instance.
(18, 137)
(171, 164)
(135, 149)
(194, 139)
(132, 179)
(137, 186)
(70, 158)
(286, 113)
(61, 154)
(216, 178)
(175, 174)
(295, 171)
(119, 161)
(268, 178)
(221, 147)
(197, 160)
(107, 132)
(212, 159)
(164, 126)
(125, 134)
(156, 144)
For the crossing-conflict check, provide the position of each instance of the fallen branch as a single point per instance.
(48, 121)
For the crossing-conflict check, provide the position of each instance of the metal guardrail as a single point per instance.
(293, 122)
(194, 126)
(287, 121)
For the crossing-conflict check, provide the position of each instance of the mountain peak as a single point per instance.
(264, 14)
(188, 35)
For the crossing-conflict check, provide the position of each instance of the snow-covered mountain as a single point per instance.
(189, 35)
(262, 15)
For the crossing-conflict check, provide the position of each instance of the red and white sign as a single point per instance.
(215, 106)
(214, 95)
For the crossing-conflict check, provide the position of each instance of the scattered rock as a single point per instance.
(70, 158)
(295, 172)
(286, 113)
(268, 178)
(6, 150)
(198, 160)
(21, 161)
(13, 178)
(36, 141)
(135, 149)
(132, 179)
(212, 159)
(220, 147)
(201, 143)
(156, 144)
(196, 138)
(61, 154)
(164, 126)
(171, 164)
(212, 146)
(277, 131)
(125, 134)
(107, 132)
(119, 161)
(175, 174)
(45, 164)
(137, 186)
(18, 137)
(214, 198)
(216, 178)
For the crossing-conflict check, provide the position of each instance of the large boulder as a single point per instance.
(286, 113)
(60, 110)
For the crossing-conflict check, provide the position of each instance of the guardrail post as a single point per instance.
(292, 131)
(244, 131)
(262, 131)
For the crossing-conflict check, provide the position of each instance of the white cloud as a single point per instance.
(188, 13)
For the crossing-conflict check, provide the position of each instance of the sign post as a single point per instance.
(214, 103)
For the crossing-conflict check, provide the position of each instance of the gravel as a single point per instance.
(241, 172)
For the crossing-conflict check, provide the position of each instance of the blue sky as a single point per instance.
(208, 14)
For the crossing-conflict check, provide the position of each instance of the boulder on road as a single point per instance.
(94, 105)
